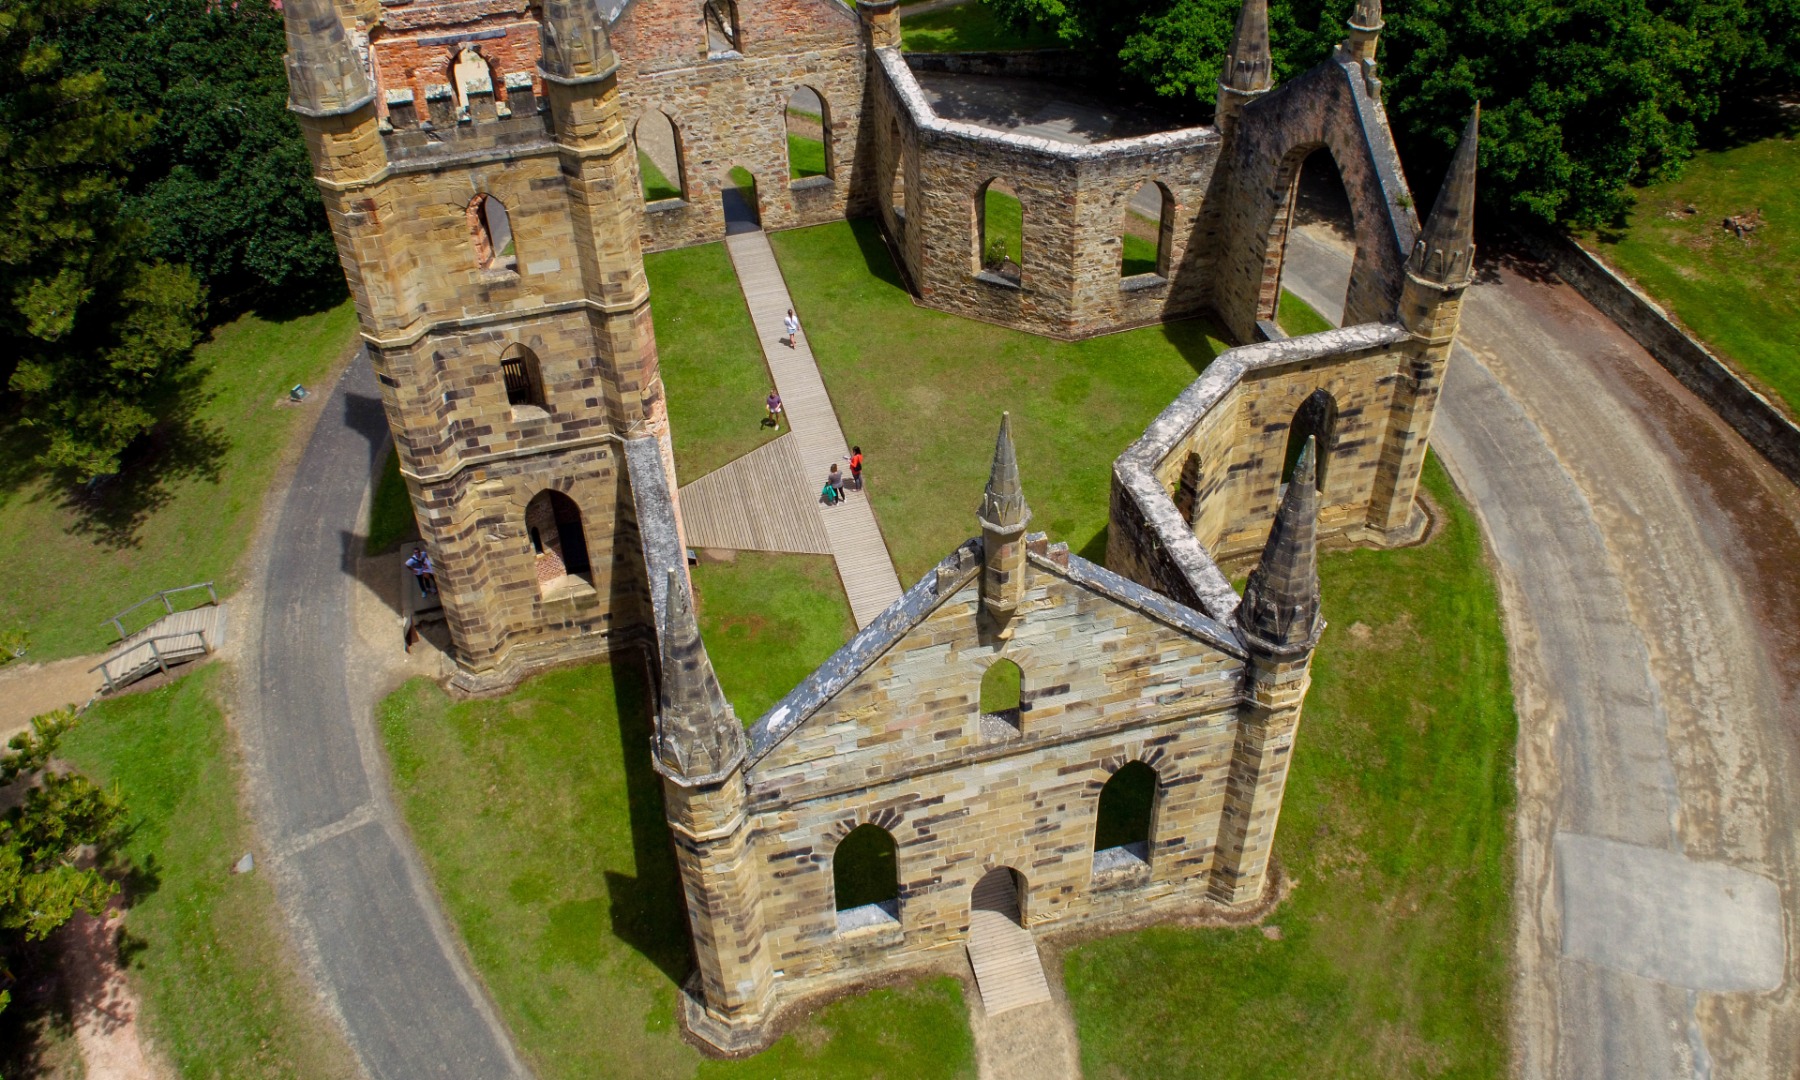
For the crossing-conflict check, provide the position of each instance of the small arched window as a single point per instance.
(1149, 230)
(897, 189)
(1127, 806)
(1002, 699)
(722, 34)
(808, 134)
(1000, 231)
(558, 544)
(660, 168)
(523, 378)
(491, 230)
(1316, 416)
(865, 878)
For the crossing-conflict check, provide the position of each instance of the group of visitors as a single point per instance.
(834, 481)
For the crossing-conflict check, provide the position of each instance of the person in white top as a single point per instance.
(792, 324)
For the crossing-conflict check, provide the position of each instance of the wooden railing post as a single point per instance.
(156, 652)
(211, 595)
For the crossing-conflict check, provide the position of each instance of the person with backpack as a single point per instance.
(834, 486)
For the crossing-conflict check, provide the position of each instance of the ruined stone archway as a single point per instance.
(1001, 891)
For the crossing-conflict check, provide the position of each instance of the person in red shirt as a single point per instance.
(856, 467)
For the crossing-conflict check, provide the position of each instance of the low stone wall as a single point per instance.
(1756, 418)
(1055, 65)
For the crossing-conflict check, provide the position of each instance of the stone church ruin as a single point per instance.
(487, 169)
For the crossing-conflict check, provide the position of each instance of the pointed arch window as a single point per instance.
(660, 167)
(1000, 232)
(1148, 233)
(1002, 700)
(490, 229)
(865, 878)
(808, 134)
(722, 31)
(1316, 416)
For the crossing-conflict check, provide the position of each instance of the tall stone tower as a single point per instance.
(482, 191)
(1279, 621)
(1438, 272)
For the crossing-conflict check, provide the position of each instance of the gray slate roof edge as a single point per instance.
(900, 77)
(655, 509)
(869, 644)
(1123, 590)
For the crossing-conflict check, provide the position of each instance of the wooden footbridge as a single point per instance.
(176, 637)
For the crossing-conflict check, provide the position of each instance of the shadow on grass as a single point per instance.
(648, 911)
(876, 257)
(40, 1015)
(1193, 339)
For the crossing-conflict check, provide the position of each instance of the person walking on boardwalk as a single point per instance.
(792, 325)
(773, 403)
(834, 486)
(856, 467)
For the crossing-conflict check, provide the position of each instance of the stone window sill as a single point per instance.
(998, 280)
(664, 206)
(1122, 867)
(811, 183)
(499, 275)
(1142, 282)
(726, 54)
(567, 587)
(529, 414)
(870, 921)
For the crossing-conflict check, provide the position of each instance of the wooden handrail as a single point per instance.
(155, 652)
(168, 608)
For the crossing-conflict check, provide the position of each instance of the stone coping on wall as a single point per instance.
(1135, 469)
(945, 580)
(912, 97)
(657, 530)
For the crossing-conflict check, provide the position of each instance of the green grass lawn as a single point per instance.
(712, 365)
(1139, 256)
(183, 515)
(223, 995)
(1299, 318)
(967, 28)
(768, 621)
(922, 392)
(1740, 296)
(390, 510)
(580, 934)
(1393, 957)
(656, 186)
(806, 157)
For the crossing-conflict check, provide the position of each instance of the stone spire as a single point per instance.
(1003, 502)
(1281, 600)
(697, 733)
(1003, 515)
(573, 42)
(1444, 254)
(1248, 68)
(325, 76)
(1365, 30)
(1367, 15)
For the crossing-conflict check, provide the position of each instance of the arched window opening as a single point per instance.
(524, 380)
(659, 158)
(492, 231)
(897, 188)
(1187, 490)
(1002, 699)
(1317, 216)
(808, 134)
(1000, 231)
(1126, 811)
(553, 525)
(738, 193)
(865, 877)
(1316, 416)
(722, 27)
(469, 74)
(1149, 231)
(1001, 891)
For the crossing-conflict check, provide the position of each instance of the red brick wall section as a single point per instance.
(403, 59)
(656, 35)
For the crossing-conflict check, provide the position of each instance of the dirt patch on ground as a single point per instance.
(105, 1010)
(28, 690)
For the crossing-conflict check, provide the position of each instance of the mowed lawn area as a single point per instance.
(185, 506)
(1738, 295)
(1393, 953)
(768, 621)
(206, 949)
(922, 393)
(542, 822)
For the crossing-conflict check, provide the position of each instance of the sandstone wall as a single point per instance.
(901, 745)
(730, 108)
(1329, 107)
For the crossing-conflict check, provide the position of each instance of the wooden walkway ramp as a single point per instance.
(759, 502)
(854, 539)
(171, 640)
(1003, 953)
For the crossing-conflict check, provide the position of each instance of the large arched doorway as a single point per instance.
(1311, 265)
(999, 892)
(737, 190)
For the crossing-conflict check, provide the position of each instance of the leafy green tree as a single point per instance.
(1581, 98)
(93, 329)
(42, 882)
(222, 180)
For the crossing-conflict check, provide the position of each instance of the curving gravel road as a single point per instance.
(347, 875)
(1647, 561)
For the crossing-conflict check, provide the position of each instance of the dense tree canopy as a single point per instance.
(93, 328)
(1581, 98)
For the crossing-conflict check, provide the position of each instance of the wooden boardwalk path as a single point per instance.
(760, 502)
(1003, 953)
(175, 639)
(864, 565)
